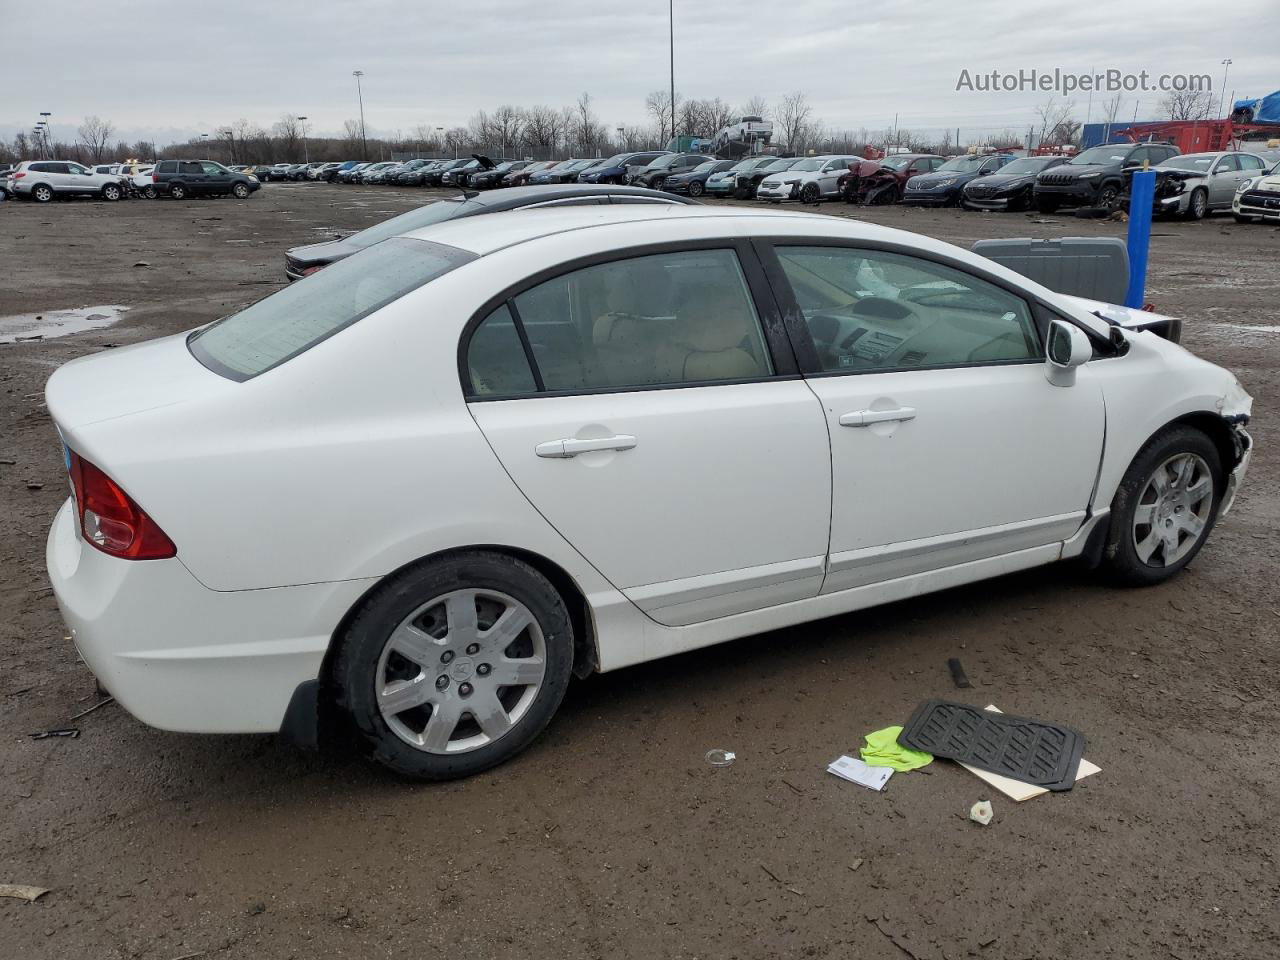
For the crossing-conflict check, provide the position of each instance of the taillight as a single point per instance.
(308, 271)
(19, 175)
(110, 519)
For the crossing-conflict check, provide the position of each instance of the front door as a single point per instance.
(948, 443)
(660, 431)
(217, 177)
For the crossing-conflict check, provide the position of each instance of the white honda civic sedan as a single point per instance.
(424, 486)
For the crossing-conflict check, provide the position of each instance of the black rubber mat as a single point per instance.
(1044, 754)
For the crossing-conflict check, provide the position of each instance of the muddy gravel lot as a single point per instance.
(612, 836)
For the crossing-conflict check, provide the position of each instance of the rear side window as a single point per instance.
(167, 166)
(671, 319)
(293, 320)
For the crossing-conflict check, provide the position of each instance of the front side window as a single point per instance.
(212, 168)
(293, 320)
(668, 319)
(870, 310)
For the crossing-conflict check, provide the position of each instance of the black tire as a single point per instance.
(1120, 560)
(112, 192)
(1198, 204)
(177, 191)
(696, 188)
(354, 673)
(240, 191)
(1045, 205)
(1109, 197)
(42, 193)
(810, 193)
(150, 192)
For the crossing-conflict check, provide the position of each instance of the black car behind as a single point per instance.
(301, 261)
(1009, 188)
(1095, 178)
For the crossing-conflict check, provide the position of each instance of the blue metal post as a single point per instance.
(1141, 199)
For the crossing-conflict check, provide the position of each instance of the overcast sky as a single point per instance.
(169, 71)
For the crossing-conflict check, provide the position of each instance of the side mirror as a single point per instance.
(1069, 347)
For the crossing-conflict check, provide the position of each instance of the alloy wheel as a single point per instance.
(1173, 510)
(460, 671)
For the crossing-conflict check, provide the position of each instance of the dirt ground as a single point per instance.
(612, 836)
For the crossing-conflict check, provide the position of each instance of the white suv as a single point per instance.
(42, 180)
(810, 180)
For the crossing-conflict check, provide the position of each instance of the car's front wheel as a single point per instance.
(1164, 508)
(1198, 205)
(455, 665)
(695, 188)
(810, 193)
(241, 191)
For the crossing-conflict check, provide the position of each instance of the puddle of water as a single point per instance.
(57, 323)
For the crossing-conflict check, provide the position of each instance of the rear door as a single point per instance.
(660, 429)
(191, 173)
(948, 443)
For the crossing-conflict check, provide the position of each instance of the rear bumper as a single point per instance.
(179, 656)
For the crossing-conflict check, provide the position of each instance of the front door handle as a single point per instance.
(571, 446)
(864, 418)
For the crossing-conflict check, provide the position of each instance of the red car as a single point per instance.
(882, 181)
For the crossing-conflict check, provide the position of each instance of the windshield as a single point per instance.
(424, 216)
(1026, 165)
(785, 163)
(1197, 162)
(706, 167)
(961, 165)
(582, 164)
(811, 163)
(663, 162)
(1113, 153)
(895, 163)
(293, 320)
(614, 161)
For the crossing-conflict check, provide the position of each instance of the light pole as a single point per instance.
(364, 141)
(306, 151)
(1222, 101)
(44, 117)
(440, 130)
(671, 25)
(620, 129)
(204, 138)
(38, 131)
(231, 142)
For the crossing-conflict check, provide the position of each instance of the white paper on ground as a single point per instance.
(1016, 789)
(855, 771)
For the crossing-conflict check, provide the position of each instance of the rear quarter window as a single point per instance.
(293, 320)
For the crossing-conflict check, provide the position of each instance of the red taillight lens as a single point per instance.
(19, 175)
(308, 271)
(111, 520)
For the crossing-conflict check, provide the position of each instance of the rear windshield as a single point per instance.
(293, 320)
(424, 216)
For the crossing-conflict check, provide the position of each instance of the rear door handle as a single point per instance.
(571, 446)
(864, 418)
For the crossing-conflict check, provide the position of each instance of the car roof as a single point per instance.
(522, 196)
(500, 230)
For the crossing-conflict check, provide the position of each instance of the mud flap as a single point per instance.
(301, 725)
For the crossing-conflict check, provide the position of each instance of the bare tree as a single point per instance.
(288, 133)
(793, 120)
(94, 134)
(543, 128)
(507, 126)
(658, 105)
(1051, 114)
(1188, 105)
(757, 106)
(457, 139)
(351, 135)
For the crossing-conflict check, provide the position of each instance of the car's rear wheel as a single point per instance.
(41, 193)
(1164, 508)
(177, 191)
(150, 192)
(111, 192)
(1198, 205)
(696, 188)
(456, 665)
(810, 193)
(240, 191)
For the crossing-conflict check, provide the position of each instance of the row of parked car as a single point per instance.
(46, 180)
